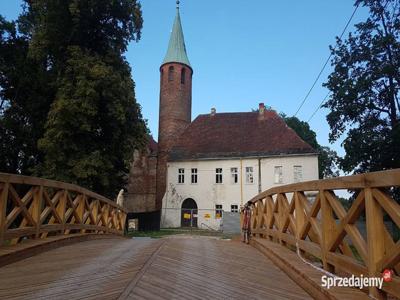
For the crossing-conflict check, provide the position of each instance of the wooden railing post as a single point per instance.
(37, 206)
(299, 215)
(3, 208)
(375, 239)
(328, 229)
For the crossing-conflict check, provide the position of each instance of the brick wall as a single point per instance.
(174, 116)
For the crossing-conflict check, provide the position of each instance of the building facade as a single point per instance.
(223, 160)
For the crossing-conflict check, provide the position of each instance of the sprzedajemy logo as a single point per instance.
(358, 282)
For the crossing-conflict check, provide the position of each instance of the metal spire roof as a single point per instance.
(176, 48)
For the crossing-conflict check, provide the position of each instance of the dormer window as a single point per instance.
(183, 74)
(170, 73)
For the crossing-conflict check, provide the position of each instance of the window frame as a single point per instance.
(181, 175)
(296, 177)
(194, 175)
(234, 175)
(234, 210)
(280, 174)
(218, 210)
(218, 176)
(249, 174)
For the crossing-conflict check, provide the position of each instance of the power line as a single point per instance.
(326, 63)
(319, 106)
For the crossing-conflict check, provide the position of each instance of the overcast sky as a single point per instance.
(242, 53)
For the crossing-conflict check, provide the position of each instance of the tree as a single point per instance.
(91, 121)
(25, 97)
(327, 158)
(364, 105)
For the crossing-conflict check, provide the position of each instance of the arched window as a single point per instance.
(183, 74)
(170, 73)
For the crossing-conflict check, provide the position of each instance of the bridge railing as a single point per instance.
(309, 217)
(36, 208)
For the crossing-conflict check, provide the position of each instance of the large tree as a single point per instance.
(364, 105)
(90, 120)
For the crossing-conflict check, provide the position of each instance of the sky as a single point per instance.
(242, 53)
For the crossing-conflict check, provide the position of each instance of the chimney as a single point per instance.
(213, 111)
(261, 108)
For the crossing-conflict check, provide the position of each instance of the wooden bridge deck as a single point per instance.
(169, 268)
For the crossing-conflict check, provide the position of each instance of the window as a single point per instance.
(194, 175)
(181, 175)
(278, 176)
(234, 175)
(170, 73)
(249, 175)
(218, 175)
(298, 173)
(218, 211)
(183, 74)
(234, 208)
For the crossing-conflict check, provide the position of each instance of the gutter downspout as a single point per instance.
(241, 183)
(259, 175)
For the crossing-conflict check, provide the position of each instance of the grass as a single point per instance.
(175, 231)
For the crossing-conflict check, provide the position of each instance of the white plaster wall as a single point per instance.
(207, 193)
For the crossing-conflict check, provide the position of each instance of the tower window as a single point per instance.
(170, 73)
(183, 74)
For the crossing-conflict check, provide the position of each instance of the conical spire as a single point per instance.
(176, 47)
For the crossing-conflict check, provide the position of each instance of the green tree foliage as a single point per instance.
(365, 85)
(327, 158)
(25, 97)
(82, 123)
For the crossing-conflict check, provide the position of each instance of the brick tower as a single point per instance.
(175, 101)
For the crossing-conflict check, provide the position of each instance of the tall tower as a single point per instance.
(175, 101)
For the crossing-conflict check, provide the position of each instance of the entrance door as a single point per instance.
(189, 213)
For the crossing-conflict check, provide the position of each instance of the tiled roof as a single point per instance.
(247, 134)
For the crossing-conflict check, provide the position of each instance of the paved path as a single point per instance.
(168, 268)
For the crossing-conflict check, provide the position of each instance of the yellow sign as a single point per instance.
(207, 216)
(186, 216)
(218, 216)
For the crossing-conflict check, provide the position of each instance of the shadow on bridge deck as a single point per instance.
(168, 268)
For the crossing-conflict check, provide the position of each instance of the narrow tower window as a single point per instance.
(170, 73)
(183, 74)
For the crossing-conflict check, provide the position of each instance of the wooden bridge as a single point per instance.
(60, 241)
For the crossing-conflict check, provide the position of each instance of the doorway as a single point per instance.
(189, 213)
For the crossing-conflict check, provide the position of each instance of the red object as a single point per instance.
(387, 275)
(237, 135)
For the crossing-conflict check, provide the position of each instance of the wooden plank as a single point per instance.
(3, 208)
(328, 229)
(376, 242)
